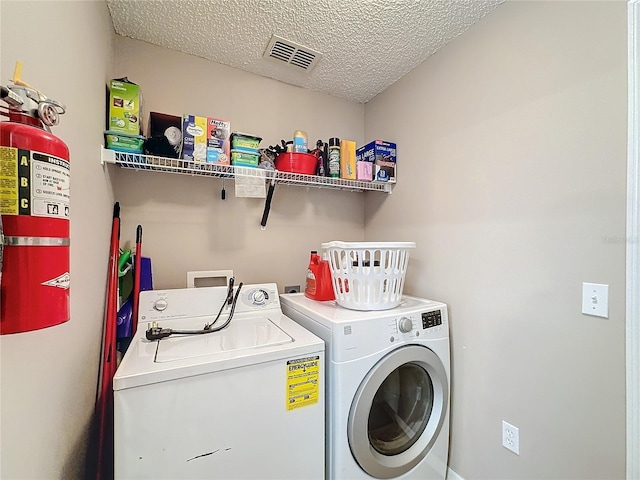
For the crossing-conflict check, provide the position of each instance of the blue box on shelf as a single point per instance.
(383, 156)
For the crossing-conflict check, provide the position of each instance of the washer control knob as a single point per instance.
(405, 325)
(160, 305)
(259, 297)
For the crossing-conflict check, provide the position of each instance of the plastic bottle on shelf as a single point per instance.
(325, 158)
(334, 157)
(300, 142)
(318, 153)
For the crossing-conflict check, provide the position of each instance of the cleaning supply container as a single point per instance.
(368, 275)
(334, 157)
(245, 142)
(318, 283)
(300, 142)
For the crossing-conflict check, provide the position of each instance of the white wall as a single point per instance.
(511, 170)
(186, 225)
(48, 377)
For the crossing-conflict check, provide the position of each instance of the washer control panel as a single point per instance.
(173, 304)
(259, 296)
(160, 305)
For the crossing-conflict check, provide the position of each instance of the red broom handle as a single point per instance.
(105, 399)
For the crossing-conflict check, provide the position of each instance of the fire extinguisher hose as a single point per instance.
(104, 462)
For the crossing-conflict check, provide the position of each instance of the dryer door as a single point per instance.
(398, 411)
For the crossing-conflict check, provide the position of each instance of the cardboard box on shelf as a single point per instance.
(194, 138)
(364, 171)
(160, 122)
(383, 156)
(218, 141)
(348, 159)
(125, 107)
(164, 137)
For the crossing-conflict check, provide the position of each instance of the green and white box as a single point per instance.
(124, 107)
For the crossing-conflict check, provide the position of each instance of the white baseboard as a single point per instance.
(451, 475)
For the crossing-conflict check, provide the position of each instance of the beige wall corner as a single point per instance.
(511, 180)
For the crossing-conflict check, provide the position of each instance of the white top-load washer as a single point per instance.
(240, 403)
(387, 387)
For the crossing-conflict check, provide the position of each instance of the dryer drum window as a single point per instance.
(398, 411)
(401, 409)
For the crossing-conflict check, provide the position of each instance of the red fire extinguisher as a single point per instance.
(34, 208)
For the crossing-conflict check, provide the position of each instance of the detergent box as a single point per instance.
(383, 157)
(194, 138)
(218, 141)
(124, 111)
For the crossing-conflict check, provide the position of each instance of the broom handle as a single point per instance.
(136, 280)
(105, 400)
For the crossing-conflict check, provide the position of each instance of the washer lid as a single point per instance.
(251, 333)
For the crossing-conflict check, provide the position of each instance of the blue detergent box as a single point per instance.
(382, 155)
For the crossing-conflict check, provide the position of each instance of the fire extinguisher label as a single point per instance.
(50, 181)
(9, 181)
(62, 281)
(33, 183)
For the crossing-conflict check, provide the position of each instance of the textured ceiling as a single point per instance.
(366, 45)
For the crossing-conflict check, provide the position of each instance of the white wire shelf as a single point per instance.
(184, 167)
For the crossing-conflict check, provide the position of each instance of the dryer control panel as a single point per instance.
(431, 319)
(429, 324)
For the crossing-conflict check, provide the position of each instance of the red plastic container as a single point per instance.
(319, 286)
(296, 162)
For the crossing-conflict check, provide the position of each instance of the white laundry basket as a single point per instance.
(368, 275)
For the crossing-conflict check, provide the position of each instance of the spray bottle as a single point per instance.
(334, 157)
(317, 152)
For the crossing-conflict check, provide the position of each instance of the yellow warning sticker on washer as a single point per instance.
(303, 377)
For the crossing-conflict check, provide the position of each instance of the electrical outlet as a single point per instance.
(292, 289)
(511, 437)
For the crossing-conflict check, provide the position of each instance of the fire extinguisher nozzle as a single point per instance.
(116, 210)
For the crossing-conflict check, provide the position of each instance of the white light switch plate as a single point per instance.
(595, 299)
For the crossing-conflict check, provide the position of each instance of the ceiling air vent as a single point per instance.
(291, 53)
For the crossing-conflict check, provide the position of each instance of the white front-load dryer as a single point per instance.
(387, 387)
